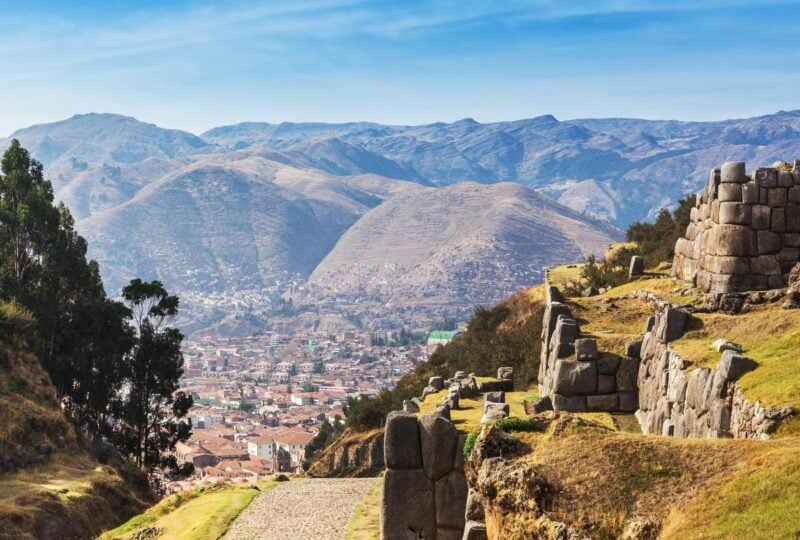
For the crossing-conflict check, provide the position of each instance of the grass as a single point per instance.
(563, 274)
(203, 514)
(701, 488)
(365, 522)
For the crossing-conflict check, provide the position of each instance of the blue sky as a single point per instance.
(195, 65)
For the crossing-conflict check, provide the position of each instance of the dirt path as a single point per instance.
(308, 508)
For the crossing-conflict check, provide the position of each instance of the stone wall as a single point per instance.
(705, 403)
(573, 376)
(424, 488)
(744, 232)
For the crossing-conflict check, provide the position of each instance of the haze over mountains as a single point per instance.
(374, 211)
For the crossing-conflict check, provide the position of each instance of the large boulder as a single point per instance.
(505, 372)
(474, 510)
(437, 383)
(671, 324)
(586, 349)
(636, 268)
(494, 411)
(401, 442)
(733, 365)
(408, 506)
(438, 438)
(495, 397)
(451, 501)
(410, 406)
(475, 530)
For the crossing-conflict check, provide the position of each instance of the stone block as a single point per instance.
(735, 240)
(627, 374)
(792, 218)
(762, 217)
(495, 397)
(494, 411)
(763, 195)
(649, 324)
(446, 533)
(715, 211)
(542, 404)
(729, 265)
(451, 500)
(735, 213)
(410, 407)
(586, 349)
(459, 375)
(785, 179)
(408, 505)
(575, 377)
(775, 282)
(505, 372)
(768, 243)
(730, 192)
(607, 365)
(791, 239)
(562, 403)
(636, 268)
(633, 348)
(401, 441)
(749, 193)
(776, 197)
(672, 323)
(793, 194)
(606, 384)
(437, 383)
(766, 177)
(475, 530)
(733, 172)
(788, 255)
(443, 410)
(628, 401)
(438, 440)
(605, 403)
(733, 365)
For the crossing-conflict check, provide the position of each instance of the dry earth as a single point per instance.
(311, 508)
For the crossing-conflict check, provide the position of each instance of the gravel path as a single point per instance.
(317, 509)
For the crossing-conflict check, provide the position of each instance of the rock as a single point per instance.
(452, 402)
(408, 506)
(733, 172)
(722, 345)
(438, 440)
(606, 384)
(607, 364)
(633, 349)
(451, 501)
(636, 268)
(475, 530)
(494, 411)
(573, 377)
(586, 349)
(641, 528)
(627, 374)
(401, 442)
(459, 375)
(410, 407)
(628, 401)
(554, 295)
(474, 509)
(427, 391)
(505, 372)
(43, 449)
(542, 404)
(437, 383)
(443, 410)
(493, 442)
(562, 403)
(671, 324)
(733, 365)
(605, 403)
(590, 291)
(495, 397)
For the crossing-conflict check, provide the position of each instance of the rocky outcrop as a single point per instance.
(573, 375)
(744, 232)
(424, 489)
(351, 455)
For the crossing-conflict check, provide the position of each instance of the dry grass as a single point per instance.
(365, 523)
(709, 489)
(563, 274)
(612, 323)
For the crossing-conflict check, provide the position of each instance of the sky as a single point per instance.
(193, 65)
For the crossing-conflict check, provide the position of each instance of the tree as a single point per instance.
(153, 413)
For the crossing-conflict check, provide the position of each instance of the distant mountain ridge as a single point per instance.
(247, 205)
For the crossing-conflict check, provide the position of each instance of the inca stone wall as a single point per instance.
(705, 403)
(744, 232)
(571, 372)
(424, 489)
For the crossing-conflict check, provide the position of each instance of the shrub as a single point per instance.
(469, 443)
(514, 424)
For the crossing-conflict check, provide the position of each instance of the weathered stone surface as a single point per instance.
(628, 401)
(762, 217)
(586, 349)
(768, 242)
(542, 404)
(438, 440)
(735, 213)
(562, 403)
(671, 325)
(733, 172)
(735, 240)
(729, 192)
(451, 500)
(606, 403)
(474, 509)
(408, 505)
(401, 442)
(633, 349)
(494, 411)
(443, 410)
(410, 407)
(437, 383)
(495, 397)
(607, 364)
(606, 384)
(573, 377)
(733, 365)
(636, 268)
(505, 372)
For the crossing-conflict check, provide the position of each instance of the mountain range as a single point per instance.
(364, 210)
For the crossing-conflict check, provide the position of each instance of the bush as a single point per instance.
(526, 425)
(656, 241)
(469, 443)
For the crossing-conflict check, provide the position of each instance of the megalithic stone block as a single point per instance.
(408, 506)
(401, 442)
(438, 439)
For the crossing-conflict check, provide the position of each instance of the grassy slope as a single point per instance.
(202, 514)
(365, 523)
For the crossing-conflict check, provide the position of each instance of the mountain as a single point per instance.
(622, 170)
(467, 243)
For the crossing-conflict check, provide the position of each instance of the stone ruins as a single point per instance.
(744, 233)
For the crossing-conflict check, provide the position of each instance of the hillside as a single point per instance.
(455, 244)
(50, 484)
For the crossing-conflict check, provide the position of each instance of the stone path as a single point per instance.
(316, 509)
